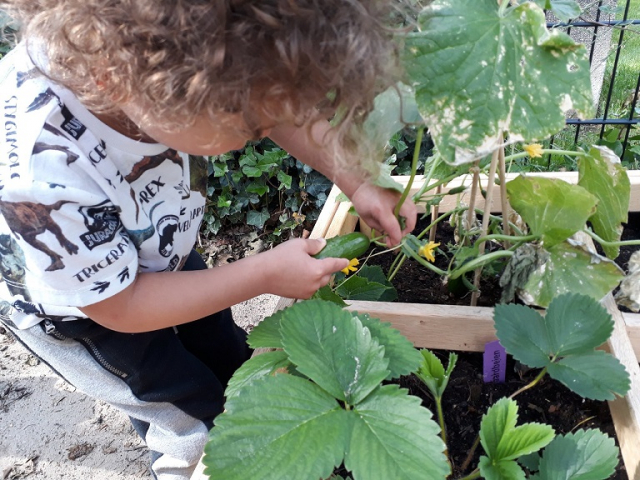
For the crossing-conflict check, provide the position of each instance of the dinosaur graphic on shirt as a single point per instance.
(150, 162)
(139, 236)
(28, 220)
(40, 147)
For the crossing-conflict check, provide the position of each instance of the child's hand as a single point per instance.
(376, 205)
(293, 273)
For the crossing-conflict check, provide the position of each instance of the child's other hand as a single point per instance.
(376, 205)
(292, 272)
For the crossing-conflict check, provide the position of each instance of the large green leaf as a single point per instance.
(570, 268)
(332, 348)
(393, 109)
(279, 432)
(523, 333)
(477, 73)
(596, 375)
(394, 437)
(255, 368)
(577, 324)
(583, 455)
(552, 208)
(503, 440)
(403, 357)
(602, 174)
(267, 333)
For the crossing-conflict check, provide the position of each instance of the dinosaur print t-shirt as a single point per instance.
(83, 208)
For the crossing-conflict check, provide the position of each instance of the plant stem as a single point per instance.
(475, 185)
(472, 475)
(396, 265)
(506, 212)
(425, 263)
(503, 7)
(480, 261)
(414, 168)
(443, 428)
(601, 241)
(496, 236)
(467, 460)
(531, 384)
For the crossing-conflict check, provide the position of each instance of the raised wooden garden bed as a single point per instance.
(470, 328)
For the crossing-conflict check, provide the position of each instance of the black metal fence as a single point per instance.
(605, 36)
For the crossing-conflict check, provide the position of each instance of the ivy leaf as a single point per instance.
(503, 440)
(583, 455)
(570, 268)
(432, 372)
(394, 437)
(333, 349)
(477, 74)
(500, 470)
(403, 357)
(257, 218)
(552, 208)
(602, 174)
(254, 368)
(276, 443)
(597, 375)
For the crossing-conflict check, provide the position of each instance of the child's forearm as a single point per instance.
(164, 299)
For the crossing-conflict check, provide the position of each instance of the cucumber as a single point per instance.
(349, 246)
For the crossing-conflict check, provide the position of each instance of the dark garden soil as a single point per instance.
(467, 397)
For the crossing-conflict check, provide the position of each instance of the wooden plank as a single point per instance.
(625, 411)
(325, 218)
(450, 202)
(446, 327)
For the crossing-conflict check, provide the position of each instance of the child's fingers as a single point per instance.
(332, 265)
(315, 245)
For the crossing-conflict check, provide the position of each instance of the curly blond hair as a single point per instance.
(185, 58)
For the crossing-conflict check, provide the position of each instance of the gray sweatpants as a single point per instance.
(170, 382)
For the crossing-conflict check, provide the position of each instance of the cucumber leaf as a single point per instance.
(552, 208)
(603, 175)
(478, 73)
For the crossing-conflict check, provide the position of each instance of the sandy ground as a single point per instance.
(48, 430)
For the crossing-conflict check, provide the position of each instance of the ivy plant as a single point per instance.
(263, 186)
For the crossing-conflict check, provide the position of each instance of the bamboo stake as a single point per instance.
(485, 222)
(434, 215)
(506, 212)
(475, 185)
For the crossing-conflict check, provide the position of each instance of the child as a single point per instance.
(99, 209)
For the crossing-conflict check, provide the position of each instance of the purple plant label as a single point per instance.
(494, 362)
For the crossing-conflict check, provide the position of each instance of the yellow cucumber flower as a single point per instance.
(352, 267)
(534, 150)
(427, 249)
